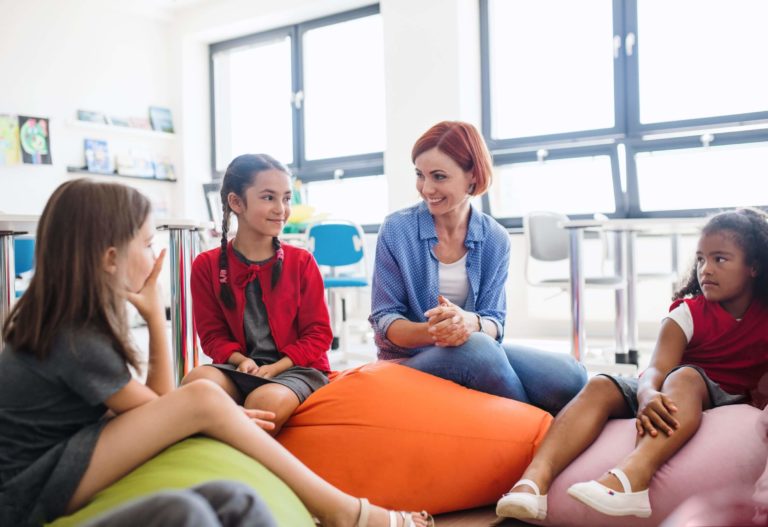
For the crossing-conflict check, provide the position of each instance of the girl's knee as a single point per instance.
(600, 387)
(275, 400)
(206, 398)
(686, 379)
(199, 373)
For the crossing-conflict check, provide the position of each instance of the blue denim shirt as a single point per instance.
(405, 276)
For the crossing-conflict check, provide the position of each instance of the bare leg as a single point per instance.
(274, 398)
(212, 374)
(687, 389)
(574, 429)
(203, 407)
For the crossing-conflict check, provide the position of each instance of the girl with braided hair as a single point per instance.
(259, 305)
(712, 350)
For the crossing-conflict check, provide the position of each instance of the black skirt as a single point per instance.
(301, 381)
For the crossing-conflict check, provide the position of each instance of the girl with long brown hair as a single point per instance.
(66, 363)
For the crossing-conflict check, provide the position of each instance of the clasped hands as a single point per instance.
(656, 414)
(449, 325)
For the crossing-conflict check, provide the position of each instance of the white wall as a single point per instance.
(61, 55)
(58, 56)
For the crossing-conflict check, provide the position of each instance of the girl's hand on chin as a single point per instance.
(149, 301)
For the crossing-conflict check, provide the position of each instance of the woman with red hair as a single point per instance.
(438, 296)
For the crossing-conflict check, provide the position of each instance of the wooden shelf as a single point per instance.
(124, 130)
(83, 170)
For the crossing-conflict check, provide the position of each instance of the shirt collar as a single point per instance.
(427, 224)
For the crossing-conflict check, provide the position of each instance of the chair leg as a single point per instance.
(344, 344)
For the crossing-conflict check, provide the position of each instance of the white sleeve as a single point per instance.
(682, 315)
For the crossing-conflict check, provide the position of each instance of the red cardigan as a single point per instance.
(296, 308)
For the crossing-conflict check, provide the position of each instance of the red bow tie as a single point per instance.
(249, 276)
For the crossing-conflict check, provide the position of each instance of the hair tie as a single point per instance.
(223, 276)
(280, 254)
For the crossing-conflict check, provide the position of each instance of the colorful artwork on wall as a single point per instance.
(35, 139)
(10, 152)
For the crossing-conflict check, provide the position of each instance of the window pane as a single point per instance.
(581, 185)
(336, 199)
(344, 89)
(703, 178)
(551, 66)
(253, 101)
(701, 58)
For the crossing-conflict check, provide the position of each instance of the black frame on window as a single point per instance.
(307, 170)
(627, 129)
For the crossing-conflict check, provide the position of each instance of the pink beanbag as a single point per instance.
(728, 451)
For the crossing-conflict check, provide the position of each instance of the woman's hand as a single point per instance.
(261, 417)
(448, 324)
(149, 301)
(655, 414)
(248, 366)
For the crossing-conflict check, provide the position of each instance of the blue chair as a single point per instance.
(338, 245)
(24, 257)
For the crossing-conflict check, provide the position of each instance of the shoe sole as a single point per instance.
(518, 511)
(640, 513)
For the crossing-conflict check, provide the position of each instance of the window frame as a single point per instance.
(628, 130)
(341, 167)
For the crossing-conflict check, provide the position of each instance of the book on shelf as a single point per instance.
(135, 163)
(118, 121)
(139, 122)
(165, 170)
(97, 156)
(91, 117)
(161, 119)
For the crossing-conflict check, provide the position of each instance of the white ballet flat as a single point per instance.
(611, 502)
(522, 505)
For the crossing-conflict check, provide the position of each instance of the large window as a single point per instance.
(624, 107)
(311, 95)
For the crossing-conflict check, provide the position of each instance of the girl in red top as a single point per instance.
(712, 351)
(259, 305)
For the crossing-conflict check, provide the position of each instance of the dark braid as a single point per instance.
(225, 294)
(239, 176)
(277, 269)
(749, 229)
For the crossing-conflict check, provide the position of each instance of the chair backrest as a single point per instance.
(545, 239)
(335, 243)
(24, 254)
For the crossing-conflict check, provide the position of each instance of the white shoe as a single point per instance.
(611, 502)
(522, 505)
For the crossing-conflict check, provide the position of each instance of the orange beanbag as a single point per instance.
(408, 440)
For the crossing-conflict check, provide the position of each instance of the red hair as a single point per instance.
(463, 143)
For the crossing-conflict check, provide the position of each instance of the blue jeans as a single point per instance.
(542, 378)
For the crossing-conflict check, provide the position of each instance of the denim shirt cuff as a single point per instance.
(499, 328)
(382, 325)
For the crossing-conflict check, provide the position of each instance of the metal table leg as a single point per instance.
(620, 322)
(577, 289)
(183, 249)
(631, 297)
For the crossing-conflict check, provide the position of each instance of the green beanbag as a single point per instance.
(189, 463)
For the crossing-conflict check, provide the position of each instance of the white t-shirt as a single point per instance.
(454, 284)
(682, 315)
